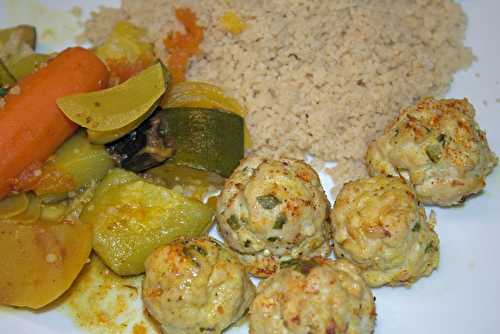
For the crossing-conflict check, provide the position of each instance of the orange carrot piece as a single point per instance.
(182, 46)
(31, 125)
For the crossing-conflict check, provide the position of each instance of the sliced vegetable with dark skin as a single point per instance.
(143, 148)
(195, 94)
(206, 139)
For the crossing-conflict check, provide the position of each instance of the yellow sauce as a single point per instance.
(103, 302)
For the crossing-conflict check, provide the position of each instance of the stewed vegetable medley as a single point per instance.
(102, 152)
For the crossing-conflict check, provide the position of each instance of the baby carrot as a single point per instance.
(31, 124)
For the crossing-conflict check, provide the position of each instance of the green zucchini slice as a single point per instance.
(206, 139)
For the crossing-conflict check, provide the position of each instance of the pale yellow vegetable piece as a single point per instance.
(126, 42)
(201, 95)
(131, 217)
(32, 212)
(84, 161)
(197, 94)
(104, 137)
(118, 106)
(40, 260)
(54, 212)
(188, 181)
(13, 205)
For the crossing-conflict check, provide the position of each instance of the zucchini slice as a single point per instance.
(206, 139)
(118, 106)
(131, 217)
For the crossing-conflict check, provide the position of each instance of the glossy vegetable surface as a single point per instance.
(75, 165)
(43, 260)
(105, 137)
(196, 94)
(207, 139)
(131, 217)
(118, 106)
(13, 205)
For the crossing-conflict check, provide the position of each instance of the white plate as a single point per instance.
(463, 295)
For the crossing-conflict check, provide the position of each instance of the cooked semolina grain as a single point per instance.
(317, 77)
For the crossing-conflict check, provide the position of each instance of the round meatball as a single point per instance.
(438, 147)
(379, 225)
(273, 210)
(196, 286)
(314, 296)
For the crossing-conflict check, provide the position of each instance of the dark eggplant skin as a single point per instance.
(143, 148)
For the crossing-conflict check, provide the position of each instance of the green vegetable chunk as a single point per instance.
(206, 139)
(26, 65)
(131, 217)
(83, 162)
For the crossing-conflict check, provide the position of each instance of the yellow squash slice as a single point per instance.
(118, 106)
(40, 260)
(131, 217)
(32, 212)
(13, 205)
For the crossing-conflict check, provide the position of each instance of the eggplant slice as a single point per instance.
(144, 148)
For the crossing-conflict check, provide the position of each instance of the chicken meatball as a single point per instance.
(379, 225)
(438, 147)
(273, 210)
(196, 286)
(313, 296)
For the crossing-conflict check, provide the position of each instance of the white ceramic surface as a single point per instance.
(463, 295)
